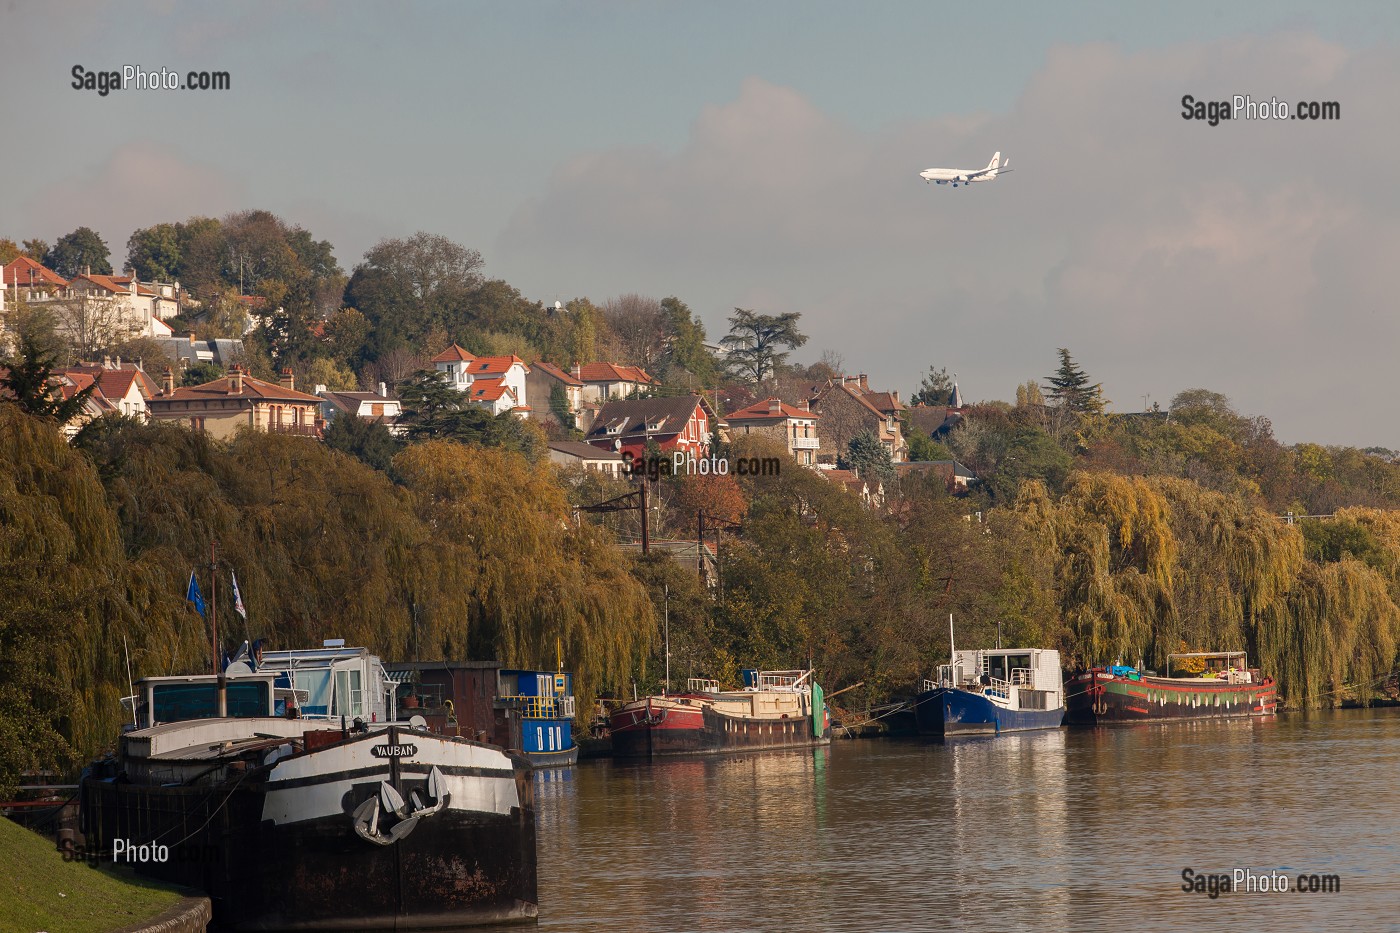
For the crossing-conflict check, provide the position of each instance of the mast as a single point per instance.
(214, 603)
(952, 655)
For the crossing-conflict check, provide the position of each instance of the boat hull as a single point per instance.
(280, 852)
(662, 727)
(954, 712)
(1097, 697)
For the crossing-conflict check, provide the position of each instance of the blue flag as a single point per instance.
(193, 595)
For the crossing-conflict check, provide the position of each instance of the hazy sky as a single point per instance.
(766, 155)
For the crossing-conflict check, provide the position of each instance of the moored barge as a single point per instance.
(291, 794)
(1224, 687)
(776, 709)
(991, 691)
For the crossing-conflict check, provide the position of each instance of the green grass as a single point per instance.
(42, 892)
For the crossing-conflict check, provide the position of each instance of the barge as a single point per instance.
(991, 691)
(775, 709)
(1224, 686)
(288, 790)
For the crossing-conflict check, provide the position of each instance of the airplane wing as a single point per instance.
(987, 171)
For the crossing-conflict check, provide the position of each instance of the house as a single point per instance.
(134, 312)
(372, 406)
(794, 426)
(160, 300)
(237, 400)
(682, 423)
(954, 474)
(848, 407)
(544, 382)
(870, 492)
(187, 351)
(28, 280)
(586, 456)
(604, 381)
(496, 383)
(122, 388)
(937, 420)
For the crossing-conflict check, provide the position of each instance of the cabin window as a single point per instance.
(349, 699)
(180, 702)
(317, 685)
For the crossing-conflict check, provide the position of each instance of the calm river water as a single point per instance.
(1069, 830)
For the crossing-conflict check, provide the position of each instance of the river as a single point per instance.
(1065, 830)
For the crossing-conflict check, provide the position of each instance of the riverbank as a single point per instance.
(45, 893)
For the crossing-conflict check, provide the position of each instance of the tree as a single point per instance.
(686, 350)
(1069, 388)
(79, 252)
(639, 324)
(406, 286)
(1028, 395)
(36, 249)
(754, 339)
(31, 387)
(332, 375)
(92, 325)
(153, 253)
(582, 345)
(869, 458)
(935, 389)
(435, 410)
(200, 373)
(365, 439)
(9, 251)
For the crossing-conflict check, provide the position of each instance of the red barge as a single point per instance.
(777, 709)
(1221, 689)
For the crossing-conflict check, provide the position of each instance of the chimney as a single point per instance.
(576, 372)
(106, 362)
(167, 382)
(320, 389)
(119, 363)
(289, 381)
(235, 380)
(383, 390)
(864, 386)
(191, 338)
(775, 406)
(805, 405)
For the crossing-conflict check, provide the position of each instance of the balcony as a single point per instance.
(304, 430)
(805, 443)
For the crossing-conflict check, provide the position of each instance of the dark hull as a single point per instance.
(1094, 698)
(460, 868)
(954, 712)
(704, 731)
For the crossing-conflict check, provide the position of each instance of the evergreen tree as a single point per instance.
(869, 458)
(81, 251)
(32, 387)
(935, 389)
(1069, 387)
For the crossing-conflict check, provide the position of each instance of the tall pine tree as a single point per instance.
(1069, 387)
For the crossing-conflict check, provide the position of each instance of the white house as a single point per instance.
(496, 383)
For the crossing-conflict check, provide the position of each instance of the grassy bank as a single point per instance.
(42, 892)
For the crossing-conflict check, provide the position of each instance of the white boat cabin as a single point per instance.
(1022, 678)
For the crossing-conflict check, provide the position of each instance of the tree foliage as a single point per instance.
(1070, 388)
(754, 343)
(78, 252)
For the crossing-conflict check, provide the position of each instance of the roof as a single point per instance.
(350, 402)
(115, 382)
(22, 271)
(763, 411)
(630, 417)
(554, 372)
(453, 354)
(583, 451)
(253, 389)
(493, 365)
(854, 393)
(488, 390)
(612, 372)
(884, 401)
(105, 282)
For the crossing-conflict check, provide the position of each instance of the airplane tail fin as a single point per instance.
(996, 160)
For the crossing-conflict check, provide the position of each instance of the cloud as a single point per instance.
(138, 185)
(1165, 253)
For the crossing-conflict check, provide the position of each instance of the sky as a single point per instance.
(766, 156)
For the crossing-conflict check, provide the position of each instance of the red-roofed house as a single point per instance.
(30, 280)
(238, 400)
(848, 407)
(603, 381)
(493, 382)
(794, 426)
(683, 423)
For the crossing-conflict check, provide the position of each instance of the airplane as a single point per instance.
(966, 176)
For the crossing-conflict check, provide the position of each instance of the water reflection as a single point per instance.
(1067, 830)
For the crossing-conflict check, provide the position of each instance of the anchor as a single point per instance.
(390, 801)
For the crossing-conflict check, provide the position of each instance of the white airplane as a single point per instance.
(966, 176)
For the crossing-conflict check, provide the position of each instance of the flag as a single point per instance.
(238, 597)
(193, 595)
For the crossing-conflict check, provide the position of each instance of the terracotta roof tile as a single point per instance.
(453, 354)
(612, 372)
(22, 271)
(555, 372)
(763, 411)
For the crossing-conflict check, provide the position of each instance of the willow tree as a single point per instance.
(533, 582)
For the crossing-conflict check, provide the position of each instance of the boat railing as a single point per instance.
(701, 685)
(998, 687)
(782, 680)
(1022, 676)
(929, 685)
(532, 707)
